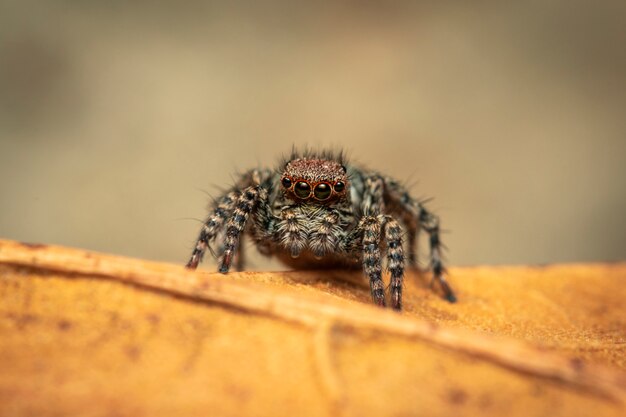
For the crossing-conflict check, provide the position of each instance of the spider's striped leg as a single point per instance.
(373, 202)
(430, 223)
(245, 203)
(223, 210)
(420, 218)
(370, 228)
(373, 225)
(395, 260)
(262, 228)
(212, 226)
(400, 202)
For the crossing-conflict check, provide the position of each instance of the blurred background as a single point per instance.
(117, 118)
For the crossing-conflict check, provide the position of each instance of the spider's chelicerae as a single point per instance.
(318, 211)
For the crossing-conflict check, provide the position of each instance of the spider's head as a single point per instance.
(314, 180)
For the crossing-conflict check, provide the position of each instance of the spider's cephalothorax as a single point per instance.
(319, 212)
(314, 180)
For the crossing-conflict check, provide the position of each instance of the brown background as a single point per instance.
(114, 118)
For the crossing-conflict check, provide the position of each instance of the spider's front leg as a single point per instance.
(212, 226)
(395, 260)
(229, 216)
(374, 231)
(370, 228)
(373, 226)
(245, 204)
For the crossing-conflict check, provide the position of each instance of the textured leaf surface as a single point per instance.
(97, 335)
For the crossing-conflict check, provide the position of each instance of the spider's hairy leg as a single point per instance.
(264, 222)
(245, 203)
(430, 223)
(212, 226)
(373, 201)
(395, 260)
(370, 228)
(420, 218)
(399, 199)
(223, 210)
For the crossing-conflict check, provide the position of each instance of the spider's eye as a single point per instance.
(339, 186)
(322, 191)
(303, 189)
(286, 182)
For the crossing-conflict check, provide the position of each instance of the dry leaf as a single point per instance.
(98, 335)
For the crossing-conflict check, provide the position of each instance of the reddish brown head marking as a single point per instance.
(314, 179)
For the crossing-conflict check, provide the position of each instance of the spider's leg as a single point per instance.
(211, 227)
(400, 202)
(370, 228)
(373, 202)
(420, 218)
(263, 226)
(430, 223)
(395, 260)
(223, 210)
(245, 203)
(264, 223)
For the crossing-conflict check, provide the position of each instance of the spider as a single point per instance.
(318, 211)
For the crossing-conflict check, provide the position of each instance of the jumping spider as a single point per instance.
(317, 211)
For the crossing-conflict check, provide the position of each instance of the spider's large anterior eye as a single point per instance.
(322, 191)
(339, 186)
(286, 182)
(303, 189)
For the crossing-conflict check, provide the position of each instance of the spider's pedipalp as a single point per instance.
(326, 235)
